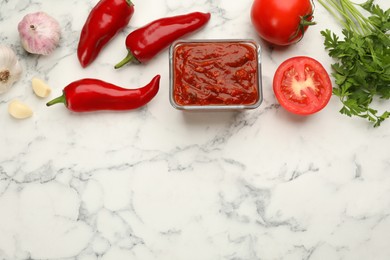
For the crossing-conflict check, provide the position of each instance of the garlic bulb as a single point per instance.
(10, 69)
(39, 33)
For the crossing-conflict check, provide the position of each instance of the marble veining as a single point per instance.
(157, 183)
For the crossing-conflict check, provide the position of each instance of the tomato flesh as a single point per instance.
(302, 85)
(279, 21)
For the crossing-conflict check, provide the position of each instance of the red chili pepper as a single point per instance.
(92, 95)
(146, 42)
(105, 20)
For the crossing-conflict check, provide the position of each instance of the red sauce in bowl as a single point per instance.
(215, 73)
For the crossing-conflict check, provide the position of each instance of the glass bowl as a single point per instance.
(215, 75)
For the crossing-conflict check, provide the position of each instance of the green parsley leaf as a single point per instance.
(362, 58)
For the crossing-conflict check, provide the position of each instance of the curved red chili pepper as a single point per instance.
(87, 95)
(146, 42)
(105, 20)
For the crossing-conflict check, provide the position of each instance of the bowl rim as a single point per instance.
(215, 107)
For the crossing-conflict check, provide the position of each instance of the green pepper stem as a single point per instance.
(128, 59)
(60, 99)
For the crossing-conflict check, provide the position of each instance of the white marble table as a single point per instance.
(158, 183)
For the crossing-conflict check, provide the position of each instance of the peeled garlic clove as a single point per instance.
(19, 110)
(41, 89)
(39, 33)
(10, 69)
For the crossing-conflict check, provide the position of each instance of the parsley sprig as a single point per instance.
(362, 68)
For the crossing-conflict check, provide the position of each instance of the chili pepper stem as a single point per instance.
(128, 59)
(60, 99)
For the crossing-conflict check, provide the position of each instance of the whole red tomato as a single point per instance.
(282, 22)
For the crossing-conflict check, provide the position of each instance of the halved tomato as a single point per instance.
(302, 85)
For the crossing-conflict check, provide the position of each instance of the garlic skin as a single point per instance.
(39, 33)
(10, 68)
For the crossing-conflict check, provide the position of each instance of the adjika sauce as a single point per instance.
(215, 73)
